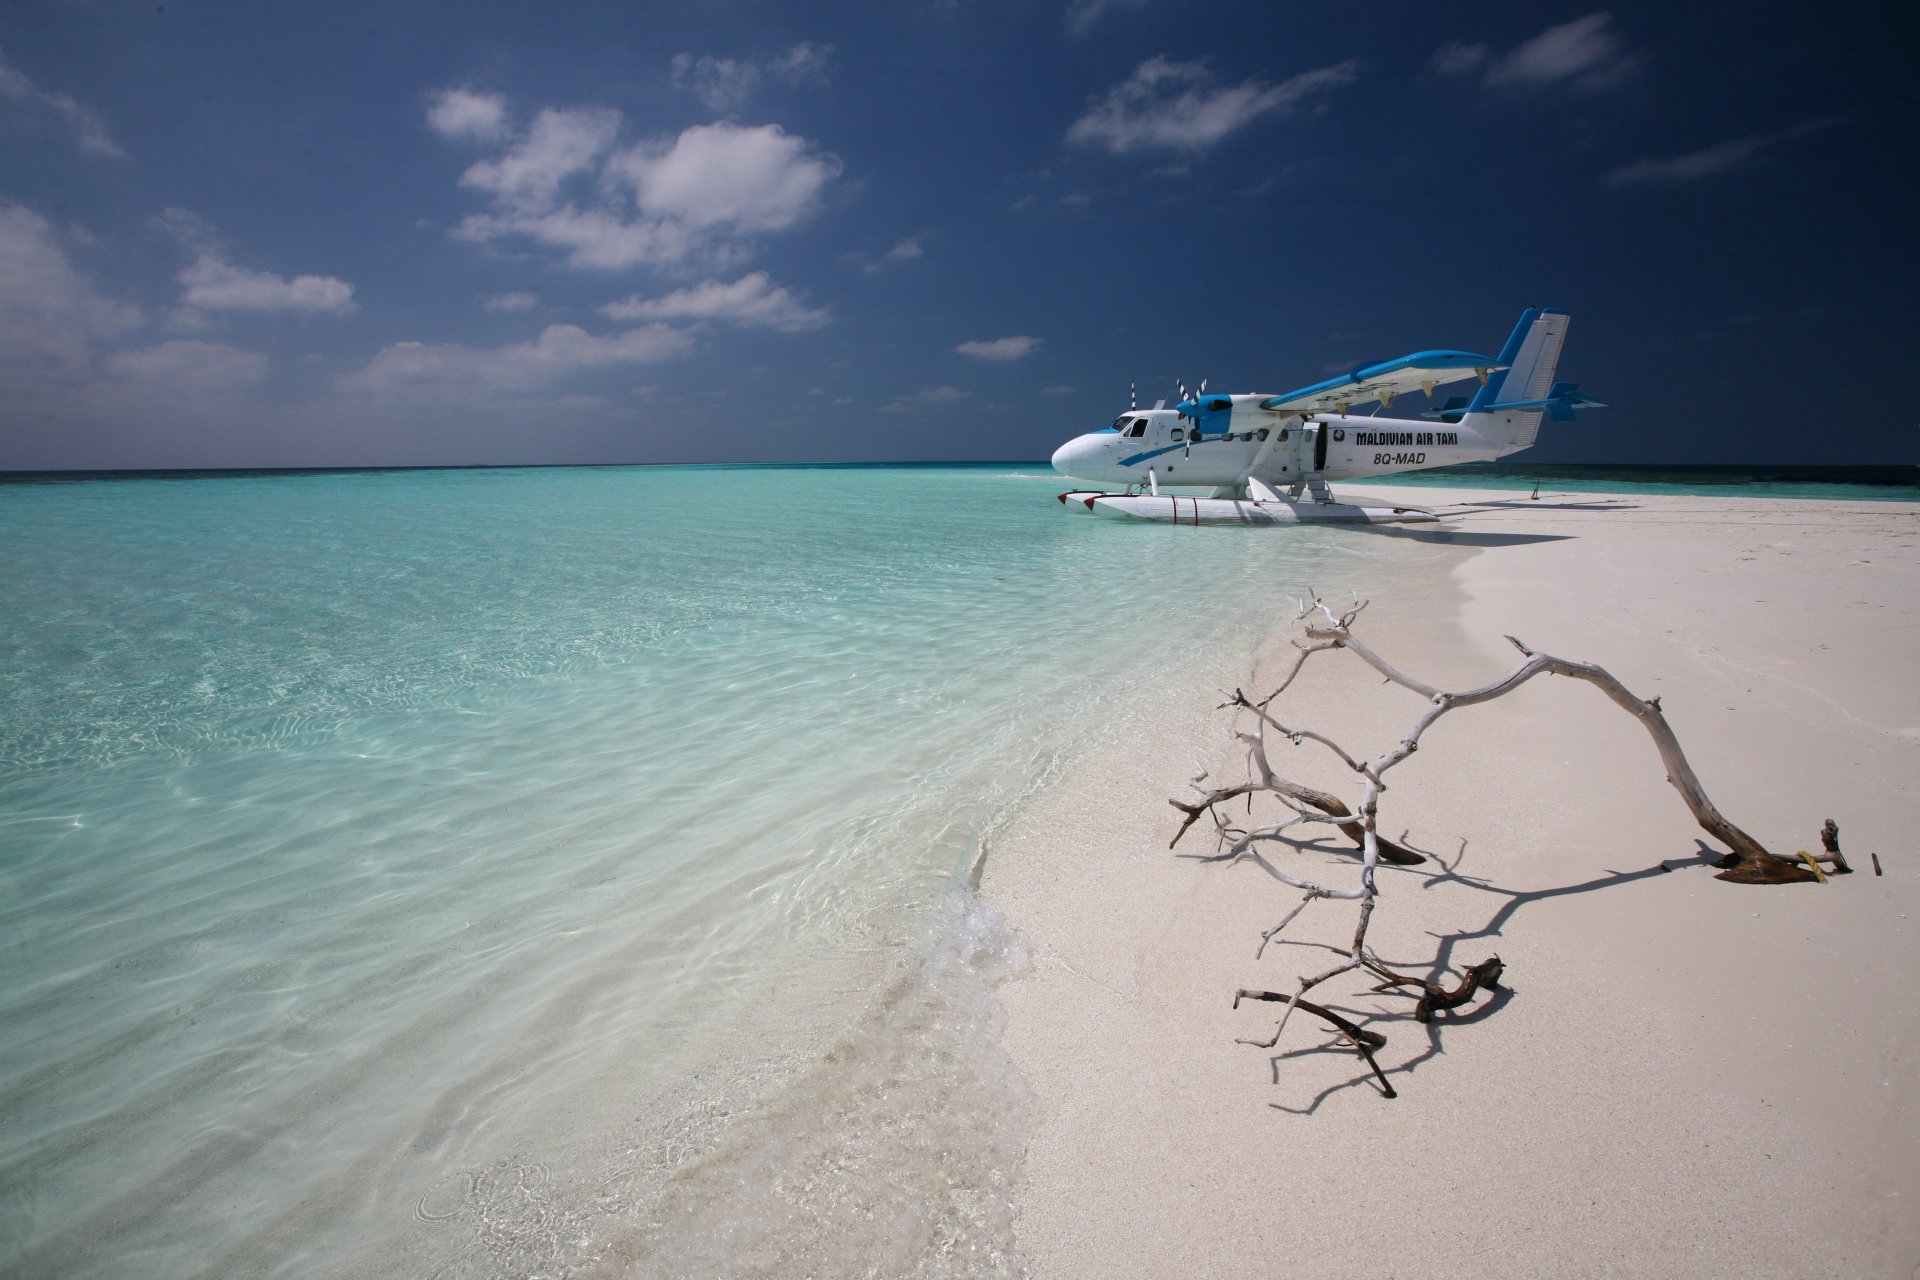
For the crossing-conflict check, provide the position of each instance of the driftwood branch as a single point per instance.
(1355, 1036)
(1434, 998)
(1749, 862)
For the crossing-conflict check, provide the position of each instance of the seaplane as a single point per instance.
(1267, 459)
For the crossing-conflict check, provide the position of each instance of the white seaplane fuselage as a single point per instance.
(1160, 443)
(1248, 451)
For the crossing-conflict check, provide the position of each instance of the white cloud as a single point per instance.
(725, 84)
(1721, 157)
(561, 349)
(1176, 105)
(594, 238)
(509, 301)
(694, 198)
(1083, 14)
(722, 175)
(722, 83)
(752, 300)
(89, 129)
(806, 63)
(1460, 58)
(1000, 348)
(190, 365)
(905, 251)
(214, 284)
(559, 145)
(466, 116)
(50, 314)
(1586, 53)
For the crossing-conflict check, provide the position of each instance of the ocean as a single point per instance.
(555, 871)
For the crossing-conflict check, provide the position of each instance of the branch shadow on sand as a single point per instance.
(1442, 962)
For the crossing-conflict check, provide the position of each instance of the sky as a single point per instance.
(252, 235)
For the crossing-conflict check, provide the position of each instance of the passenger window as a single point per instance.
(1178, 435)
(1283, 433)
(1261, 434)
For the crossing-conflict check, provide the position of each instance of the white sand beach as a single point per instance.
(1682, 1076)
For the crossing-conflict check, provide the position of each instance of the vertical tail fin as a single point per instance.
(1531, 355)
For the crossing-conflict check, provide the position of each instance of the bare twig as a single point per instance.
(1749, 863)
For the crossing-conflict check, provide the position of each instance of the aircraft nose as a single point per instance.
(1068, 454)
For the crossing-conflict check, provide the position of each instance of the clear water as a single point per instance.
(544, 871)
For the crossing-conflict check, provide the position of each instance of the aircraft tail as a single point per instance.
(1507, 410)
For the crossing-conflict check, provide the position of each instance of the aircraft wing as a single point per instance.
(1421, 371)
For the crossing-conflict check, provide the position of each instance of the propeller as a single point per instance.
(1188, 406)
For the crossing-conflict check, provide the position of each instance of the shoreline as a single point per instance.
(1683, 1077)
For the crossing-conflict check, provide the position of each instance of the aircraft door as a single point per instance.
(1316, 433)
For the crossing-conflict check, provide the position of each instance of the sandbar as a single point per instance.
(1681, 1076)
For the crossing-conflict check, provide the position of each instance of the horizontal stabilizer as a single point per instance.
(1452, 411)
(1559, 405)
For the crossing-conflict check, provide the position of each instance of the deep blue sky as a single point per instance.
(365, 234)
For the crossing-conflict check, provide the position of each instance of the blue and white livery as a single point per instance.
(1267, 459)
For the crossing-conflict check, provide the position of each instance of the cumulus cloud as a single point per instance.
(1586, 53)
(560, 350)
(752, 300)
(188, 365)
(509, 301)
(725, 84)
(466, 116)
(214, 284)
(1721, 157)
(89, 130)
(597, 238)
(1000, 348)
(566, 184)
(1178, 106)
(723, 175)
(50, 314)
(559, 145)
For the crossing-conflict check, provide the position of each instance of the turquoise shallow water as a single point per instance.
(408, 872)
